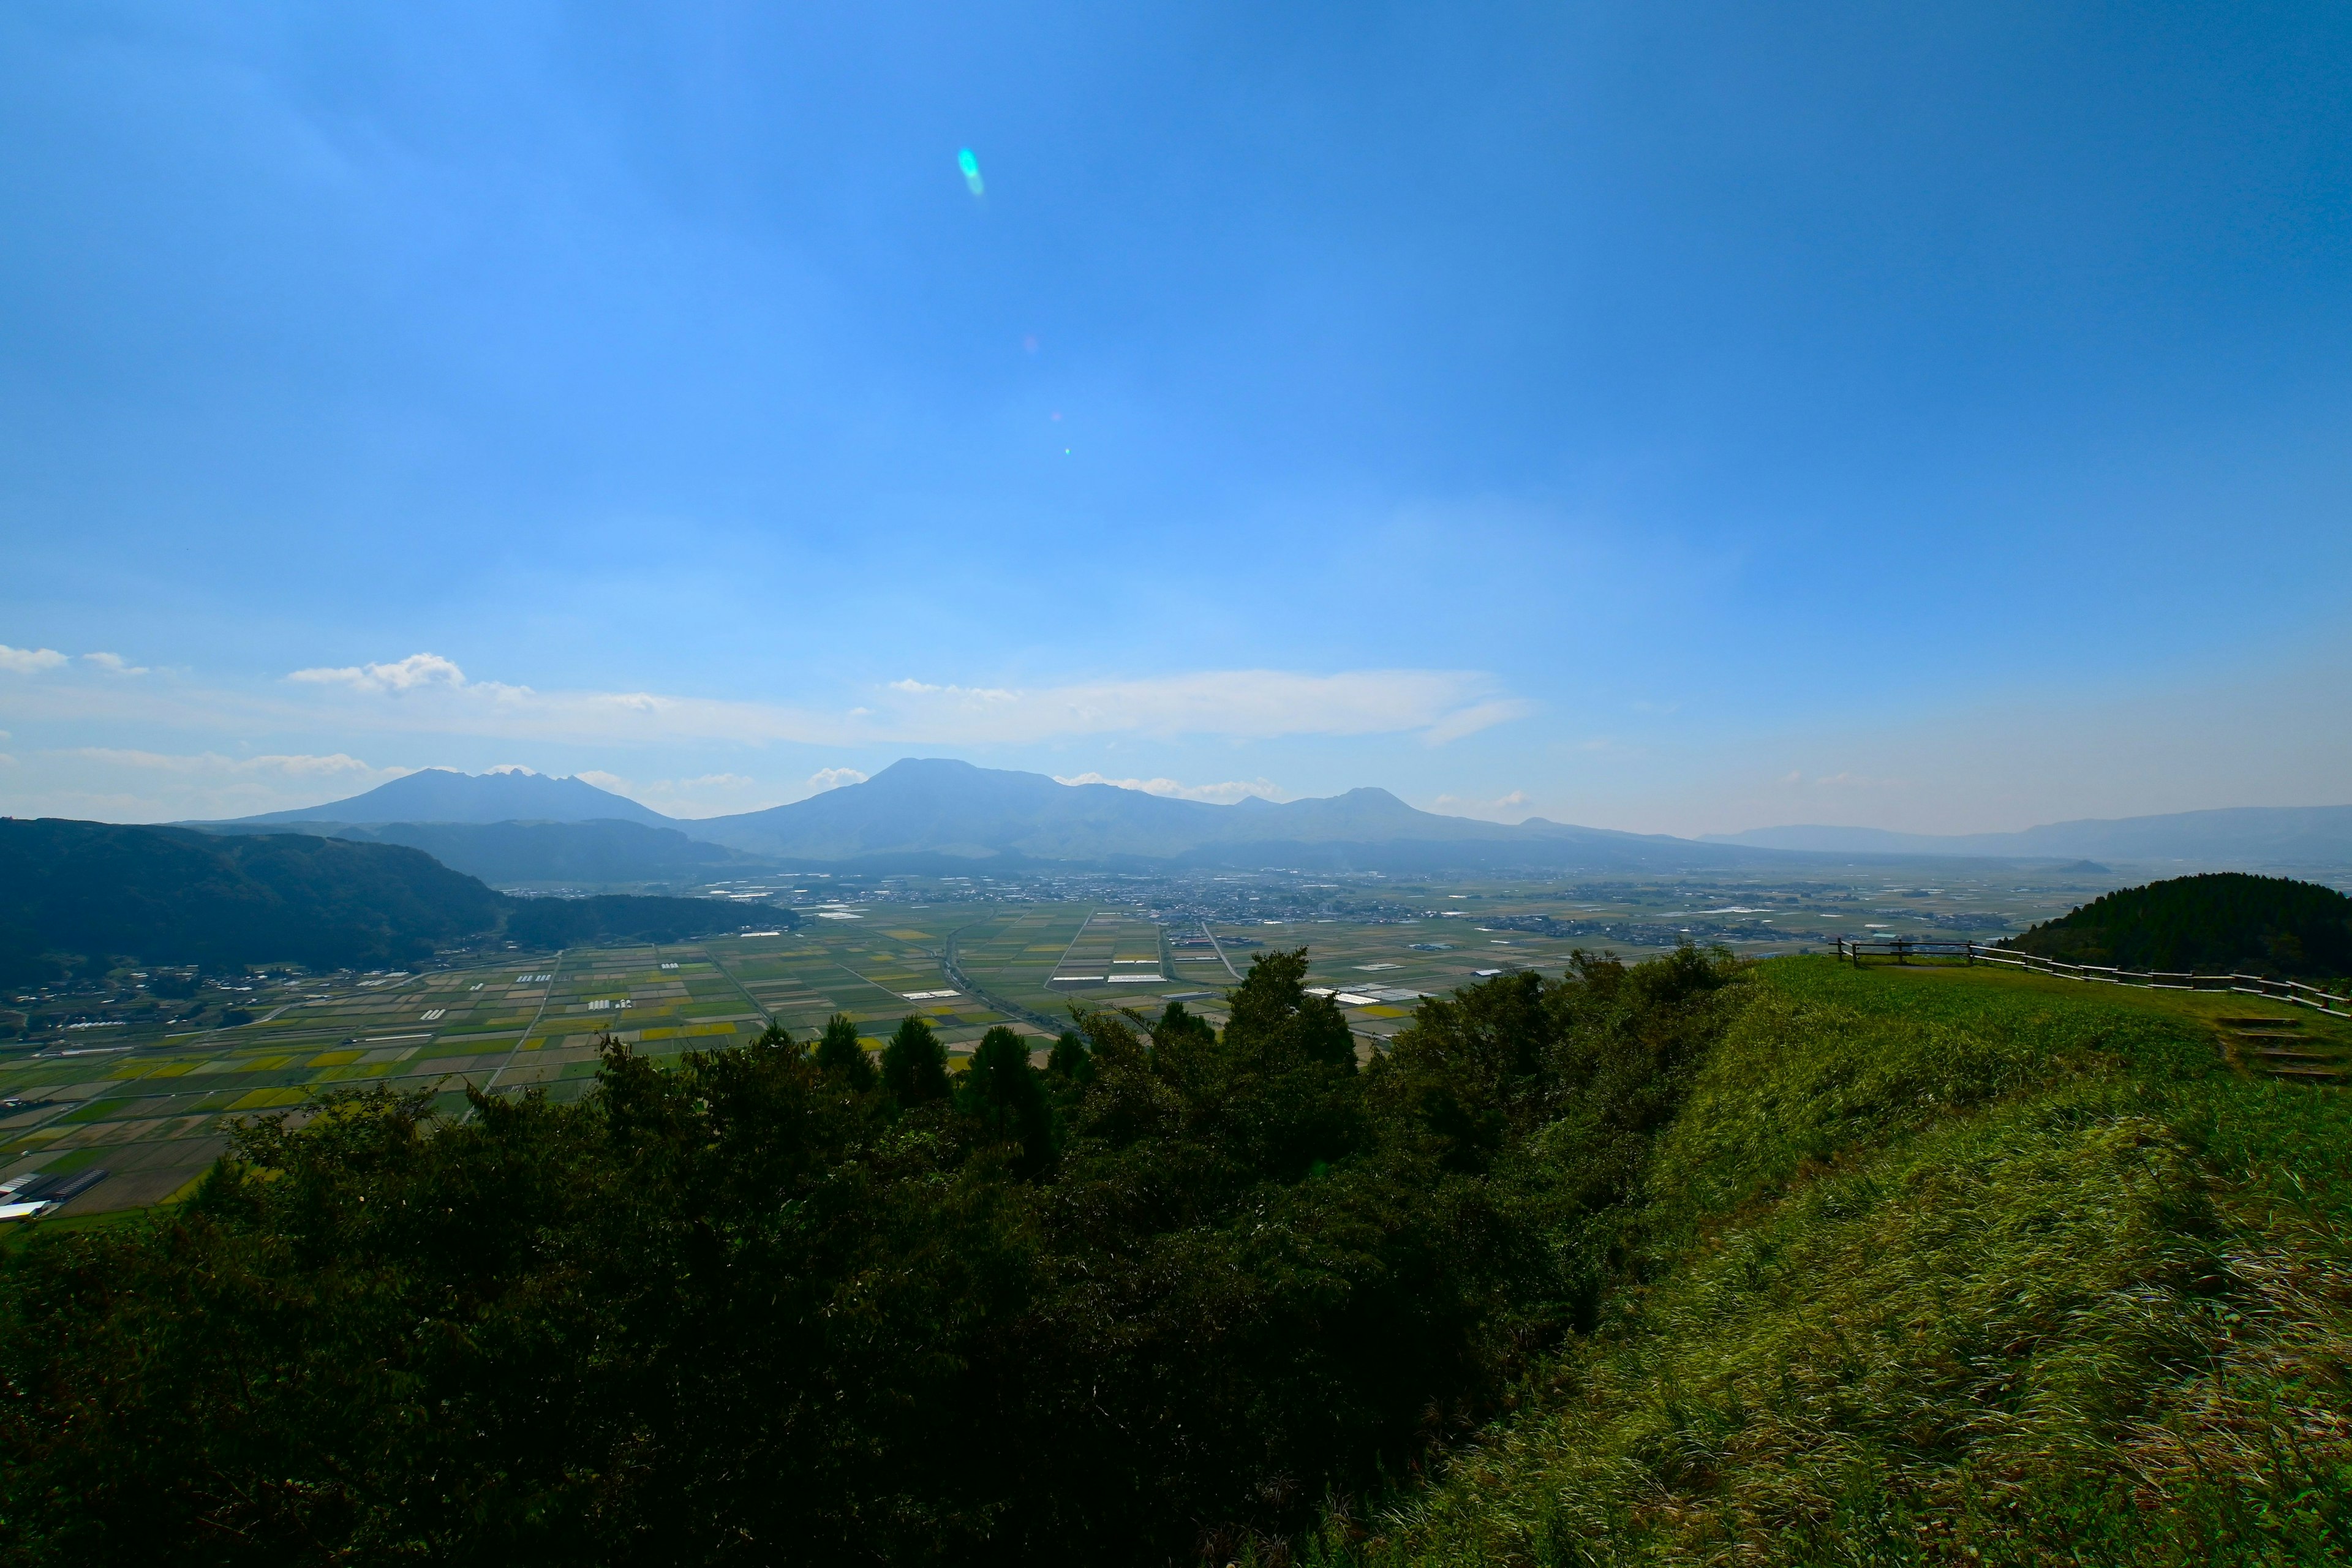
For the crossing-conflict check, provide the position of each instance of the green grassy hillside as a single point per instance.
(1944, 1266)
(2225, 922)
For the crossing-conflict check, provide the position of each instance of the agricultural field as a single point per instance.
(122, 1090)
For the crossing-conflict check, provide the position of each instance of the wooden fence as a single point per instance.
(1902, 950)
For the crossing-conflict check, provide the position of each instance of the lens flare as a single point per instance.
(971, 167)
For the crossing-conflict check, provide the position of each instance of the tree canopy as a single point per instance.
(2222, 922)
(753, 1307)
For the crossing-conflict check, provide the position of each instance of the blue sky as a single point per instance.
(1682, 417)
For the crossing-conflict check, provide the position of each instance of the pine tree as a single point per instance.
(838, 1054)
(1070, 1058)
(914, 1064)
(1007, 1096)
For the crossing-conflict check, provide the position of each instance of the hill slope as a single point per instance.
(512, 852)
(443, 794)
(2236, 835)
(2219, 923)
(171, 895)
(76, 894)
(939, 806)
(1943, 1268)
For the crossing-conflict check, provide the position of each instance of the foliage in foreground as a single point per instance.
(764, 1306)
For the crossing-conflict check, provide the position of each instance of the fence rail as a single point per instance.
(1902, 950)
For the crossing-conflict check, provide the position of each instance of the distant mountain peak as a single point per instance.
(503, 795)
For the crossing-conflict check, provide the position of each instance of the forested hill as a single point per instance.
(74, 894)
(2222, 924)
(91, 889)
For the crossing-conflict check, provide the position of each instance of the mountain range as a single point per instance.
(2238, 836)
(936, 813)
(933, 806)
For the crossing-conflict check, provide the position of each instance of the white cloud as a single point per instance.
(1217, 794)
(1511, 808)
(417, 670)
(824, 779)
(28, 660)
(965, 694)
(114, 664)
(515, 768)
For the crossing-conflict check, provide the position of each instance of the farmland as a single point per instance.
(105, 1079)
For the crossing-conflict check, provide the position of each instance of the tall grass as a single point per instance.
(1937, 1272)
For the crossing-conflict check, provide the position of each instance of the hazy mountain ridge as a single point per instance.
(444, 794)
(2249, 835)
(935, 805)
(942, 811)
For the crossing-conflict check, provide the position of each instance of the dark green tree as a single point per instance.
(1007, 1096)
(914, 1064)
(1070, 1060)
(838, 1054)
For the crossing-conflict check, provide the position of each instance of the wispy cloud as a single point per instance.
(711, 794)
(417, 671)
(1511, 808)
(125, 785)
(1216, 794)
(1246, 704)
(114, 664)
(28, 660)
(824, 779)
(335, 767)
(427, 692)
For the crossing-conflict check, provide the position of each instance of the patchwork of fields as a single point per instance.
(152, 1108)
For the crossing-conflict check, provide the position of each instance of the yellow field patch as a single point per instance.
(707, 1029)
(263, 1063)
(334, 1058)
(1385, 1011)
(910, 935)
(174, 1070)
(657, 1034)
(269, 1099)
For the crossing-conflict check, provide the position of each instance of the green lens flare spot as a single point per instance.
(971, 167)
